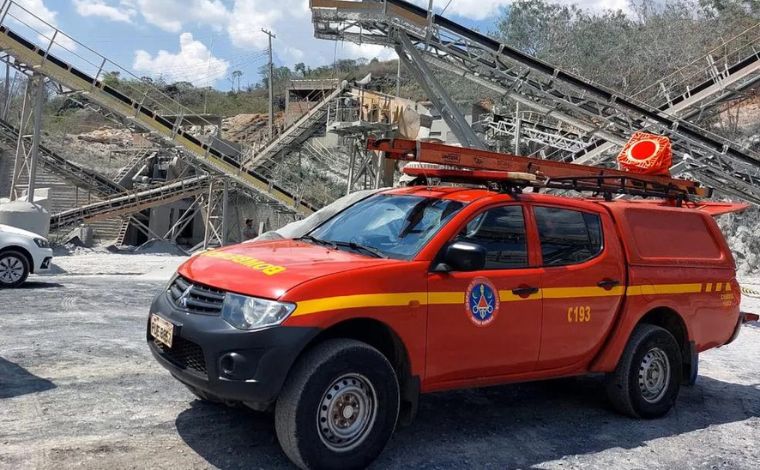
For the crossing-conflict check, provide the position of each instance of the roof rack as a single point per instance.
(510, 173)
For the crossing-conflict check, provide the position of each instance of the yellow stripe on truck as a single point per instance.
(573, 292)
(443, 298)
(664, 289)
(360, 301)
(402, 299)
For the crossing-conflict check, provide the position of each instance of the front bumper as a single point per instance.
(42, 258)
(210, 355)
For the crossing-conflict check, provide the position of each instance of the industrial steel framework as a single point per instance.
(46, 51)
(598, 113)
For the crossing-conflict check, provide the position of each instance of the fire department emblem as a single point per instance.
(482, 301)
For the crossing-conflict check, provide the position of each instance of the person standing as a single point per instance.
(249, 231)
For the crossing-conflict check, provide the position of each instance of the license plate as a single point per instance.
(162, 330)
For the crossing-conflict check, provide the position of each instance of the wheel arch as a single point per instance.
(384, 338)
(673, 322)
(23, 251)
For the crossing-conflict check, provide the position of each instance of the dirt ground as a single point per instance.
(78, 388)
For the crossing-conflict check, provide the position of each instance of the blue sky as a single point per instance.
(203, 41)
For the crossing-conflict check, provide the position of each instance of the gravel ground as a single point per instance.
(78, 388)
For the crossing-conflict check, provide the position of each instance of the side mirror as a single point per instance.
(462, 256)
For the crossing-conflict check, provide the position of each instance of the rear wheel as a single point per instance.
(648, 376)
(14, 269)
(339, 406)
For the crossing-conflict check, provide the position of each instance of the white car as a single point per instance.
(21, 253)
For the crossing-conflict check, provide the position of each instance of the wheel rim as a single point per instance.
(347, 412)
(654, 375)
(11, 269)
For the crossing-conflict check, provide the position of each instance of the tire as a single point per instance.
(646, 382)
(14, 269)
(337, 378)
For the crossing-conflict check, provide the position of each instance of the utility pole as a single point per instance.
(271, 84)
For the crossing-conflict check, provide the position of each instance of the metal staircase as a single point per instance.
(132, 202)
(132, 165)
(123, 229)
(296, 134)
(597, 113)
(82, 69)
(70, 171)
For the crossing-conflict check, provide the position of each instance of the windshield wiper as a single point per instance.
(366, 249)
(318, 241)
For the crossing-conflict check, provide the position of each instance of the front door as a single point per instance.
(582, 284)
(486, 323)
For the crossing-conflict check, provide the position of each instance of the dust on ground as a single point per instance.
(79, 388)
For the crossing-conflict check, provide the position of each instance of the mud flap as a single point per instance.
(410, 395)
(691, 365)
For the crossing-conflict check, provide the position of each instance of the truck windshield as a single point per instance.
(391, 226)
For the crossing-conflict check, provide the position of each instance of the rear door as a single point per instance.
(582, 281)
(487, 323)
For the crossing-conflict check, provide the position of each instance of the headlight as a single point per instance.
(42, 243)
(251, 313)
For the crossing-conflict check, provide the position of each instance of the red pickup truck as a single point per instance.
(423, 289)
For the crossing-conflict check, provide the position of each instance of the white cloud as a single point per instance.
(172, 15)
(294, 54)
(104, 10)
(41, 21)
(247, 21)
(368, 51)
(193, 63)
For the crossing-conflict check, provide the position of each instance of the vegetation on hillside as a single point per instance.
(626, 53)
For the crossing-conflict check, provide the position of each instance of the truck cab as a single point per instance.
(428, 288)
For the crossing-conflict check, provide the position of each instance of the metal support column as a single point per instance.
(351, 163)
(39, 98)
(30, 124)
(518, 130)
(7, 91)
(223, 224)
(216, 214)
(414, 62)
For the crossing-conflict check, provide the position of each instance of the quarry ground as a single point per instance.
(78, 388)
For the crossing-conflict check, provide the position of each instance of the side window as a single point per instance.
(501, 231)
(568, 236)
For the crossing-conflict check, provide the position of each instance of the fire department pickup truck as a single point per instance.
(428, 288)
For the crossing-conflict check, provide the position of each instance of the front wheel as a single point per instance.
(14, 269)
(646, 382)
(339, 406)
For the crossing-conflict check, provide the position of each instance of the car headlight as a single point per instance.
(42, 243)
(251, 313)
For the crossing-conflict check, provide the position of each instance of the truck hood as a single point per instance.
(269, 269)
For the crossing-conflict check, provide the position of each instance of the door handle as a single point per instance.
(608, 284)
(525, 291)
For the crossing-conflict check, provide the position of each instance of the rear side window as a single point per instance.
(568, 236)
(501, 231)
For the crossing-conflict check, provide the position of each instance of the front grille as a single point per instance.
(195, 298)
(184, 354)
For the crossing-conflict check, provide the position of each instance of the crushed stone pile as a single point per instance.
(742, 232)
(107, 135)
(160, 247)
(249, 128)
